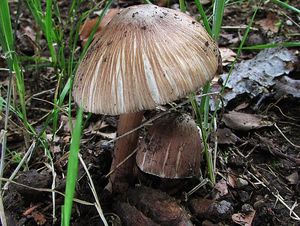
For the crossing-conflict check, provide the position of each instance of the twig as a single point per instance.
(277, 196)
(201, 184)
(3, 148)
(239, 27)
(28, 153)
(290, 142)
(46, 190)
(216, 145)
(159, 116)
(121, 163)
(51, 167)
(276, 152)
(97, 204)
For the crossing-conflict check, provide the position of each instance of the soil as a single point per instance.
(257, 169)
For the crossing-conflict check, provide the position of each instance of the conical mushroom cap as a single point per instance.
(146, 56)
(172, 148)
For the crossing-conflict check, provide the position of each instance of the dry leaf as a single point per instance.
(89, 24)
(231, 180)
(245, 122)
(243, 219)
(293, 178)
(270, 23)
(222, 187)
(29, 32)
(227, 55)
(39, 218)
(225, 136)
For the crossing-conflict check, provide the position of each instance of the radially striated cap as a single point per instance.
(146, 56)
(172, 148)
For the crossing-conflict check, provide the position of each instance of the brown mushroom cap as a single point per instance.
(146, 56)
(172, 148)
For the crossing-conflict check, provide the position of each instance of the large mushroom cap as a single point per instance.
(172, 148)
(146, 56)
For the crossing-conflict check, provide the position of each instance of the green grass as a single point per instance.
(202, 112)
(8, 47)
(72, 169)
(286, 6)
(50, 23)
(48, 19)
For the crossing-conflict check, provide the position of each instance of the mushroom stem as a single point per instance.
(123, 175)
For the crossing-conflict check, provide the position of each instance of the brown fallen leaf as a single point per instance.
(243, 219)
(222, 188)
(225, 136)
(89, 24)
(227, 55)
(245, 122)
(231, 180)
(293, 178)
(270, 23)
(39, 218)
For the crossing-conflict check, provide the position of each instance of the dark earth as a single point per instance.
(257, 178)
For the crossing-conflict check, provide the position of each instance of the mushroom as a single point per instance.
(145, 56)
(172, 148)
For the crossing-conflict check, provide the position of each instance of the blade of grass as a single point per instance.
(272, 45)
(218, 12)
(182, 6)
(7, 43)
(202, 110)
(203, 16)
(92, 186)
(286, 5)
(49, 31)
(3, 138)
(72, 170)
(217, 105)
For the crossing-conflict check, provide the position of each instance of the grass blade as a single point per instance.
(182, 6)
(272, 45)
(218, 13)
(287, 6)
(72, 170)
(203, 16)
(7, 43)
(50, 36)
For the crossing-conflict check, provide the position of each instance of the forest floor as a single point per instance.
(258, 135)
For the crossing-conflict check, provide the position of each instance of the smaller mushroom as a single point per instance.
(172, 148)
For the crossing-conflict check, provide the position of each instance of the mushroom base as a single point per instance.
(123, 175)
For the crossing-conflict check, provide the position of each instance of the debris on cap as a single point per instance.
(144, 57)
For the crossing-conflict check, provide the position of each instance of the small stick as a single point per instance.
(121, 163)
(276, 152)
(290, 142)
